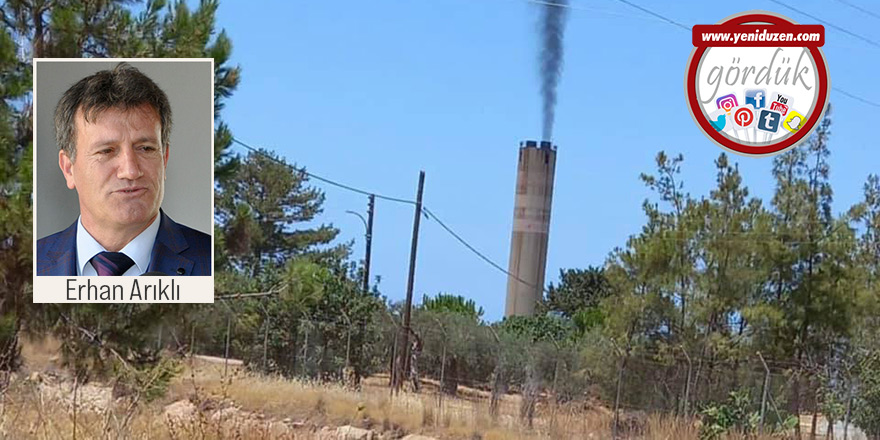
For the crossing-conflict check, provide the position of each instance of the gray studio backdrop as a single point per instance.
(189, 187)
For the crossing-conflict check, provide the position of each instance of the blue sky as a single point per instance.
(369, 93)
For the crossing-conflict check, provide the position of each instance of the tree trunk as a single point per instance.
(292, 353)
(813, 425)
(450, 377)
(499, 388)
(846, 417)
(796, 403)
(38, 32)
(266, 348)
(530, 396)
(615, 429)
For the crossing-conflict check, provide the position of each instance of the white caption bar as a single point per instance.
(119, 290)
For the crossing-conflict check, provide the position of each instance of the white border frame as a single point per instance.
(54, 289)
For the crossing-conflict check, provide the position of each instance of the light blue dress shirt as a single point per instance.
(139, 249)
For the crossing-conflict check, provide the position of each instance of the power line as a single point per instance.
(586, 8)
(464, 242)
(569, 6)
(829, 24)
(860, 9)
(675, 23)
(554, 4)
(551, 3)
(325, 180)
(661, 17)
(857, 98)
(429, 213)
(431, 216)
(837, 89)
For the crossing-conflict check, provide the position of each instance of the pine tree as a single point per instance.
(811, 260)
(578, 289)
(15, 196)
(730, 274)
(679, 233)
(72, 29)
(260, 209)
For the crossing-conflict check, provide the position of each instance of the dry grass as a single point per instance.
(40, 353)
(428, 414)
(229, 403)
(28, 413)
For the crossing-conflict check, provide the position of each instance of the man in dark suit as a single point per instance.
(113, 130)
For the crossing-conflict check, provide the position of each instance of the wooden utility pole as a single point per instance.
(403, 360)
(226, 352)
(687, 384)
(369, 242)
(764, 392)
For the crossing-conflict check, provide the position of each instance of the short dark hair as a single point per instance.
(124, 87)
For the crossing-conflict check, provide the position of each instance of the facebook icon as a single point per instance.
(769, 121)
(756, 98)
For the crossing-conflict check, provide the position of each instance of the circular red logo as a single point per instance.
(757, 83)
(743, 117)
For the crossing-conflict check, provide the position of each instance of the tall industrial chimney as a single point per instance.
(531, 227)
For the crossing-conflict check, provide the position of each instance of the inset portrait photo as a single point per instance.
(123, 180)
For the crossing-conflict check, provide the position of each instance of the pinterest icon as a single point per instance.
(743, 117)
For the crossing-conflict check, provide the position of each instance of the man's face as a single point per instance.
(119, 168)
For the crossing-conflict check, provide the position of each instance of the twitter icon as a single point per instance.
(718, 120)
(756, 97)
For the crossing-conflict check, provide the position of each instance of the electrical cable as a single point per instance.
(325, 180)
(831, 25)
(425, 209)
(860, 9)
(826, 23)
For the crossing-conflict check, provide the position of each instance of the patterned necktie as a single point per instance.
(111, 263)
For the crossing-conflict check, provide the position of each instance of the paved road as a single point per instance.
(822, 428)
(218, 360)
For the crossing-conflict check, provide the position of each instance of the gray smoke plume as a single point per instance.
(553, 16)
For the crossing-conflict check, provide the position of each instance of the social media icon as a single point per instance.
(743, 116)
(768, 120)
(794, 121)
(756, 97)
(782, 99)
(718, 120)
(727, 102)
(781, 108)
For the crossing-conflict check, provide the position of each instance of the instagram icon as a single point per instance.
(727, 102)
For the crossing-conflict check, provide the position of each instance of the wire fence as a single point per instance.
(457, 359)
